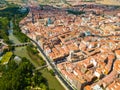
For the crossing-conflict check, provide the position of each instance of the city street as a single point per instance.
(53, 67)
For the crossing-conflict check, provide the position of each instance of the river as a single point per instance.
(19, 51)
(22, 52)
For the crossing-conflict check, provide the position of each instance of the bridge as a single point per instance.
(41, 67)
(21, 44)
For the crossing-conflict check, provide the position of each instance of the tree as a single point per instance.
(21, 77)
(52, 72)
(43, 86)
(38, 78)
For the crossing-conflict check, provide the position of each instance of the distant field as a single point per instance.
(71, 2)
(53, 2)
(19, 2)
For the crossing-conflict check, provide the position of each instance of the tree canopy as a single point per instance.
(21, 77)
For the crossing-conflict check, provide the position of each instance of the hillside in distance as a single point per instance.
(66, 2)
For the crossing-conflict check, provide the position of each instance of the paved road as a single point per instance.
(53, 67)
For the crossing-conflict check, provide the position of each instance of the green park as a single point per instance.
(15, 75)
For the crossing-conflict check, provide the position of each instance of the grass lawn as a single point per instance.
(35, 60)
(6, 57)
(14, 39)
(22, 52)
(53, 83)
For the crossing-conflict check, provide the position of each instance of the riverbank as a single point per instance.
(22, 52)
(53, 83)
(36, 61)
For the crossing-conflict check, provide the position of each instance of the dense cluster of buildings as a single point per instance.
(85, 48)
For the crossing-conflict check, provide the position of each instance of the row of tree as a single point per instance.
(12, 13)
(14, 76)
(3, 29)
(32, 52)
